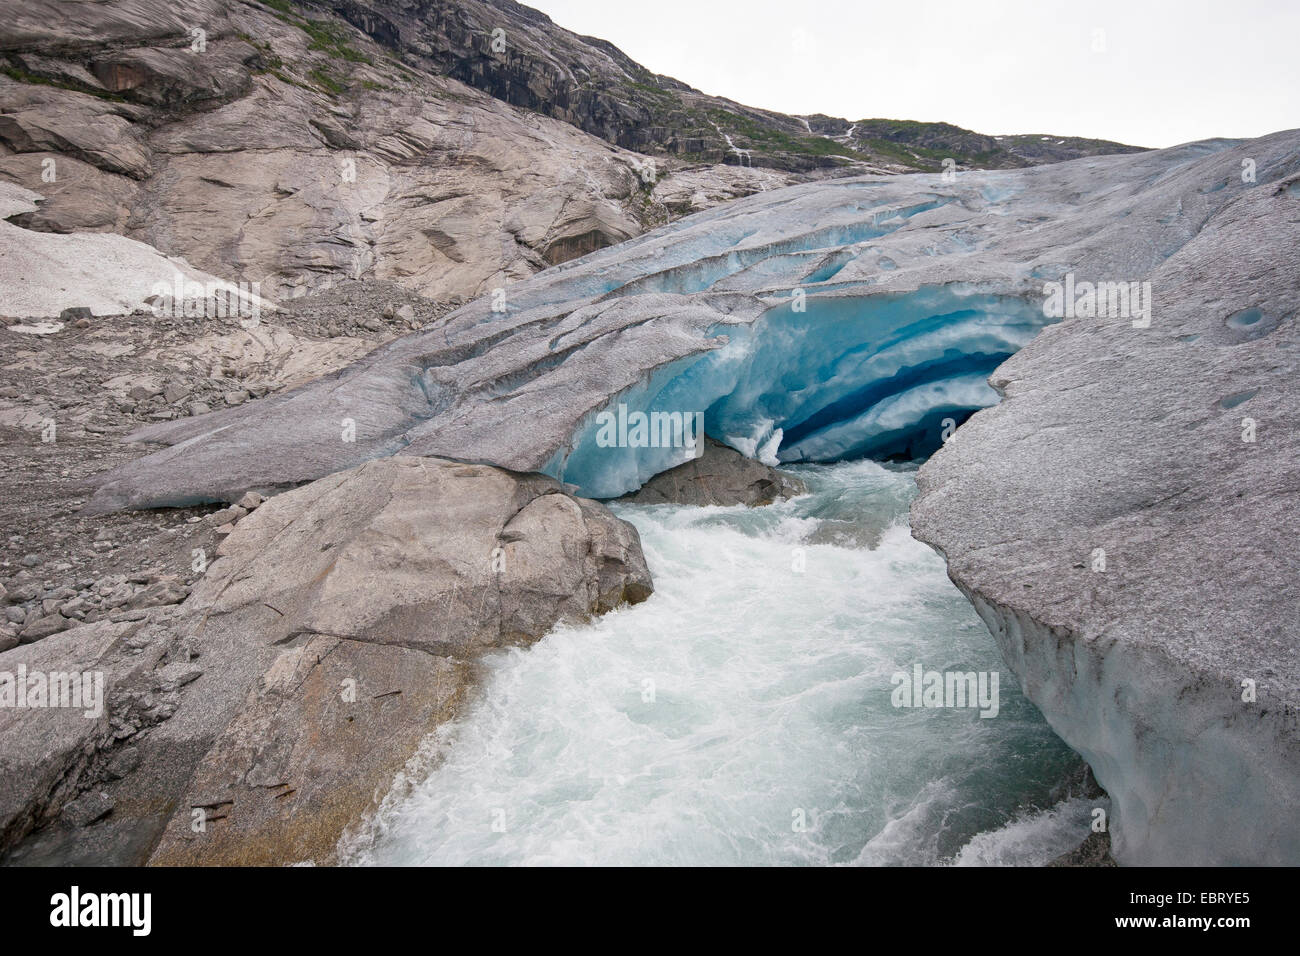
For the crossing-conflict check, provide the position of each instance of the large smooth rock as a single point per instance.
(720, 476)
(338, 627)
(378, 587)
(444, 557)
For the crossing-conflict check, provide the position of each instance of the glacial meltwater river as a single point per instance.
(744, 714)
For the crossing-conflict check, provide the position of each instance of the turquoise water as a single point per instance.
(743, 714)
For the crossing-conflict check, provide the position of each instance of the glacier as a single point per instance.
(868, 317)
(819, 322)
(1124, 520)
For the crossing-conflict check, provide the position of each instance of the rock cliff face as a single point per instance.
(337, 628)
(518, 55)
(285, 147)
(104, 273)
(454, 147)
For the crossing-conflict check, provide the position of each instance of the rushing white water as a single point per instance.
(745, 697)
(742, 155)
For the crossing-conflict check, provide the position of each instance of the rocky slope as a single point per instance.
(298, 144)
(518, 55)
(293, 151)
(337, 627)
(70, 389)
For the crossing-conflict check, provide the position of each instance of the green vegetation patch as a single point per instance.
(327, 82)
(22, 76)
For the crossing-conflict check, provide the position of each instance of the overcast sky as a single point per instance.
(1148, 73)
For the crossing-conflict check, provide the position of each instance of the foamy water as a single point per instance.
(743, 714)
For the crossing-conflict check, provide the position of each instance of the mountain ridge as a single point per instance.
(658, 112)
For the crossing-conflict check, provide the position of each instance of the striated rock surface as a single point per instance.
(285, 146)
(337, 628)
(1125, 522)
(720, 476)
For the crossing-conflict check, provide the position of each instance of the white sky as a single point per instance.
(1169, 71)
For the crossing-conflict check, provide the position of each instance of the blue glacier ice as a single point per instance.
(845, 378)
